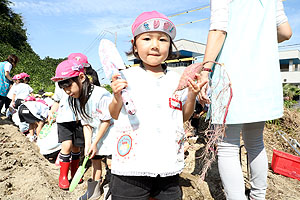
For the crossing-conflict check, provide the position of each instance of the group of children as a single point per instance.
(26, 111)
(146, 148)
(144, 152)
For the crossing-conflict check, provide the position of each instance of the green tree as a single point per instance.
(290, 91)
(13, 40)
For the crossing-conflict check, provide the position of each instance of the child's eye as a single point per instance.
(146, 39)
(163, 40)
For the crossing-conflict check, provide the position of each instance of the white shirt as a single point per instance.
(219, 14)
(38, 109)
(7, 67)
(64, 112)
(250, 57)
(97, 109)
(10, 92)
(150, 143)
(21, 90)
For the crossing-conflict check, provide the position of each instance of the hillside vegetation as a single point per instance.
(14, 40)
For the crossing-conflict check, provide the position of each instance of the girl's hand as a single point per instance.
(117, 85)
(93, 150)
(87, 148)
(50, 116)
(195, 87)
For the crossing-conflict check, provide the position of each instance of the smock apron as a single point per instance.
(250, 57)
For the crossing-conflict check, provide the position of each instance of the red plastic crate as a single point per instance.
(286, 164)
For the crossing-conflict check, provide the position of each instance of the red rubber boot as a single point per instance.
(74, 167)
(63, 175)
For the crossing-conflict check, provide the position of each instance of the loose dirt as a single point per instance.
(26, 174)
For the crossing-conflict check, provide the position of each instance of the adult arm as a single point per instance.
(284, 31)
(7, 75)
(7, 68)
(215, 39)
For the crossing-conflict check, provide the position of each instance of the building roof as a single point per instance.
(188, 48)
(285, 56)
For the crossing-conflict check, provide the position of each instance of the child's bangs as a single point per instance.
(66, 83)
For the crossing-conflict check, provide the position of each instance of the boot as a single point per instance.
(106, 192)
(63, 175)
(93, 190)
(74, 167)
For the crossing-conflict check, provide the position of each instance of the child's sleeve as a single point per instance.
(30, 89)
(102, 106)
(45, 111)
(184, 95)
(13, 89)
(58, 93)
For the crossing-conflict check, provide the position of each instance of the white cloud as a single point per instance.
(128, 7)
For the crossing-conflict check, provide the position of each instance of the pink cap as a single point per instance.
(24, 75)
(17, 77)
(153, 21)
(30, 98)
(67, 69)
(80, 58)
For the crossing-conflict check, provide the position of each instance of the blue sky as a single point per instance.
(57, 28)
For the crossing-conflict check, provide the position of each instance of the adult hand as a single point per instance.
(203, 98)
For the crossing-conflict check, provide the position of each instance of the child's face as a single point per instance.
(73, 90)
(73, 87)
(153, 48)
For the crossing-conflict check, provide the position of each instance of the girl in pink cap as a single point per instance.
(90, 104)
(149, 154)
(20, 91)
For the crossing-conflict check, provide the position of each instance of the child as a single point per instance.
(90, 102)
(149, 154)
(20, 91)
(88, 70)
(34, 113)
(70, 135)
(26, 77)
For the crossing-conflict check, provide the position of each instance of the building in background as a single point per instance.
(290, 66)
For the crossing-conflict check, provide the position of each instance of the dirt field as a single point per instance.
(25, 174)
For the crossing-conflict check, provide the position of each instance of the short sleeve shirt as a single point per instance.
(21, 90)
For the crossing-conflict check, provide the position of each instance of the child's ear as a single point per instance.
(81, 77)
(133, 46)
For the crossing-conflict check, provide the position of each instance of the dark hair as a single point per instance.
(13, 59)
(21, 80)
(26, 79)
(78, 104)
(170, 54)
(90, 72)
